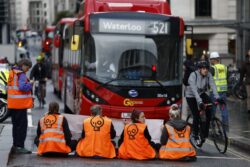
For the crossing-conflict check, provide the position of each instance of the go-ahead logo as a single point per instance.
(129, 102)
(133, 93)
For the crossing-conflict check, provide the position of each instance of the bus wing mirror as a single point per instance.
(57, 40)
(75, 42)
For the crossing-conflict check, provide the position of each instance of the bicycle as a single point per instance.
(217, 130)
(40, 89)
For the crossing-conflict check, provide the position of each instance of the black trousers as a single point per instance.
(20, 125)
(192, 103)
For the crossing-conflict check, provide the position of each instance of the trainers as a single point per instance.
(197, 141)
(21, 150)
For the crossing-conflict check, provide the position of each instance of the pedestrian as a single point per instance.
(19, 100)
(96, 136)
(220, 73)
(245, 73)
(53, 134)
(135, 141)
(175, 138)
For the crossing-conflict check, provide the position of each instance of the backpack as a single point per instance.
(189, 68)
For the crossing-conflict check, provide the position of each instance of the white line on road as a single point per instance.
(29, 110)
(209, 157)
(30, 121)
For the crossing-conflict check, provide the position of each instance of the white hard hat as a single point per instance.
(214, 55)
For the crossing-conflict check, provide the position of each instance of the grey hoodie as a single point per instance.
(199, 84)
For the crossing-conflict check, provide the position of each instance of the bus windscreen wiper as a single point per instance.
(158, 82)
(103, 84)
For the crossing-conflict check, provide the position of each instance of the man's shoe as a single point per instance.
(198, 141)
(21, 150)
(44, 102)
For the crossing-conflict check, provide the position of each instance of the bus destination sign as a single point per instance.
(133, 26)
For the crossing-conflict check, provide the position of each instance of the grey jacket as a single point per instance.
(199, 84)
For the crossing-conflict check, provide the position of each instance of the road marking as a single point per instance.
(209, 157)
(237, 154)
(29, 110)
(30, 121)
(248, 131)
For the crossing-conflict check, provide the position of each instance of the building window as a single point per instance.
(37, 5)
(45, 13)
(203, 8)
(38, 20)
(45, 5)
(37, 12)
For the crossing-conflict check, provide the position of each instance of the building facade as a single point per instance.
(4, 22)
(210, 20)
(243, 29)
(43, 12)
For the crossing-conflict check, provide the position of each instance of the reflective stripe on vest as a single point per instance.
(52, 130)
(220, 77)
(176, 149)
(52, 139)
(19, 96)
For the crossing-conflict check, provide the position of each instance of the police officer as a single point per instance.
(19, 100)
(96, 136)
(4, 76)
(219, 73)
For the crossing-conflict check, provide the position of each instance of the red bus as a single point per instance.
(57, 54)
(47, 39)
(124, 55)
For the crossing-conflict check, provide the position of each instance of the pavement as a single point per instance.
(239, 131)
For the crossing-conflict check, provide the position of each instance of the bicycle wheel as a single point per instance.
(219, 135)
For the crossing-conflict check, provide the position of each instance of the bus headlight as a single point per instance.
(92, 96)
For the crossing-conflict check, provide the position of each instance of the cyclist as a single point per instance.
(39, 73)
(197, 95)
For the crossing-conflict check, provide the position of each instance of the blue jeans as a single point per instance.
(222, 108)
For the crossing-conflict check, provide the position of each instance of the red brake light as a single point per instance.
(153, 68)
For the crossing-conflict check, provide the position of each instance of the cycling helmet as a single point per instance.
(39, 58)
(203, 64)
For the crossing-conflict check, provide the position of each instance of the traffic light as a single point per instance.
(189, 47)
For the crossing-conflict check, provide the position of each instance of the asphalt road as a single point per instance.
(207, 156)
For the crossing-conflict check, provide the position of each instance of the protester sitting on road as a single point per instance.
(53, 134)
(19, 100)
(135, 141)
(96, 136)
(175, 138)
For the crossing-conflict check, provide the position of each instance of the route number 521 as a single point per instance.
(160, 27)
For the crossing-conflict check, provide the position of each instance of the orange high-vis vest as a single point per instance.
(135, 145)
(97, 140)
(178, 145)
(52, 136)
(17, 99)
